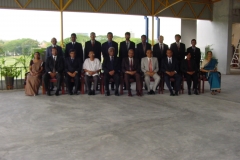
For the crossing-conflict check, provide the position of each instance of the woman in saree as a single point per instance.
(34, 77)
(209, 66)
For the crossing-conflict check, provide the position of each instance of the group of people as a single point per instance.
(130, 59)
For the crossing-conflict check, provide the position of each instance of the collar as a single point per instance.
(92, 41)
(73, 42)
(169, 57)
(54, 45)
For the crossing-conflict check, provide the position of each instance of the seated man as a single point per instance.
(189, 68)
(170, 69)
(54, 67)
(73, 68)
(91, 66)
(149, 66)
(131, 69)
(111, 67)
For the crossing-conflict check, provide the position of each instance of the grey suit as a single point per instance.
(145, 68)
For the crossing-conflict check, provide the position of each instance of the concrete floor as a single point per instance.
(157, 127)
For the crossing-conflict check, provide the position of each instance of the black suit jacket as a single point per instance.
(96, 48)
(123, 50)
(78, 48)
(126, 66)
(106, 66)
(195, 55)
(49, 51)
(140, 53)
(105, 47)
(59, 66)
(157, 53)
(185, 68)
(170, 68)
(70, 66)
(179, 54)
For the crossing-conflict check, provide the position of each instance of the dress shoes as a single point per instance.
(70, 93)
(93, 92)
(189, 92)
(171, 93)
(130, 94)
(152, 92)
(116, 93)
(57, 93)
(89, 93)
(196, 92)
(149, 93)
(107, 93)
(48, 93)
(176, 93)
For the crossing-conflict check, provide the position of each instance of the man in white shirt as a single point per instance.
(149, 66)
(92, 67)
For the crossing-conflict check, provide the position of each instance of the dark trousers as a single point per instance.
(88, 82)
(177, 79)
(191, 78)
(69, 83)
(47, 77)
(136, 77)
(115, 77)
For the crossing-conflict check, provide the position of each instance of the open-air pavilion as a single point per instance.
(156, 127)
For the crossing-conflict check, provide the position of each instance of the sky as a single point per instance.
(43, 25)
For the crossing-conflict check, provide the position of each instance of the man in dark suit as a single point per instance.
(93, 45)
(109, 43)
(178, 49)
(189, 68)
(159, 50)
(76, 46)
(142, 48)
(73, 68)
(131, 69)
(170, 68)
(111, 68)
(49, 52)
(195, 53)
(54, 67)
(125, 46)
(49, 49)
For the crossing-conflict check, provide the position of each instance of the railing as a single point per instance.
(18, 81)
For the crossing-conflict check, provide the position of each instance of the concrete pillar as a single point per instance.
(188, 31)
(222, 32)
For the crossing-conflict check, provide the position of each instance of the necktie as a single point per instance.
(54, 63)
(178, 46)
(112, 59)
(92, 44)
(72, 60)
(144, 47)
(131, 64)
(73, 44)
(169, 61)
(127, 45)
(110, 44)
(150, 65)
(161, 48)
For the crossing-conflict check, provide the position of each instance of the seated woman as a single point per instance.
(209, 66)
(91, 67)
(34, 77)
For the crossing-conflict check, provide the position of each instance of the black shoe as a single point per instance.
(107, 93)
(70, 93)
(149, 93)
(152, 92)
(189, 92)
(116, 93)
(57, 93)
(112, 89)
(196, 92)
(172, 94)
(89, 92)
(48, 93)
(52, 89)
(176, 93)
(93, 92)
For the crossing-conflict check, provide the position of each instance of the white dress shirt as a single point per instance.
(94, 65)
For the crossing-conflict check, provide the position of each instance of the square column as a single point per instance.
(188, 31)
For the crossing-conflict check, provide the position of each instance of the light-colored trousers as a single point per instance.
(156, 78)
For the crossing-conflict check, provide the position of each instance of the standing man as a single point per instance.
(108, 44)
(170, 68)
(76, 46)
(142, 48)
(93, 45)
(111, 67)
(195, 53)
(178, 49)
(131, 69)
(73, 68)
(160, 50)
(54, 45)
(54, 68)
(149, 67)
(125, 46)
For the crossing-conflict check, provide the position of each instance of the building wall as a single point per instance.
(235, 33)
(188, 31)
